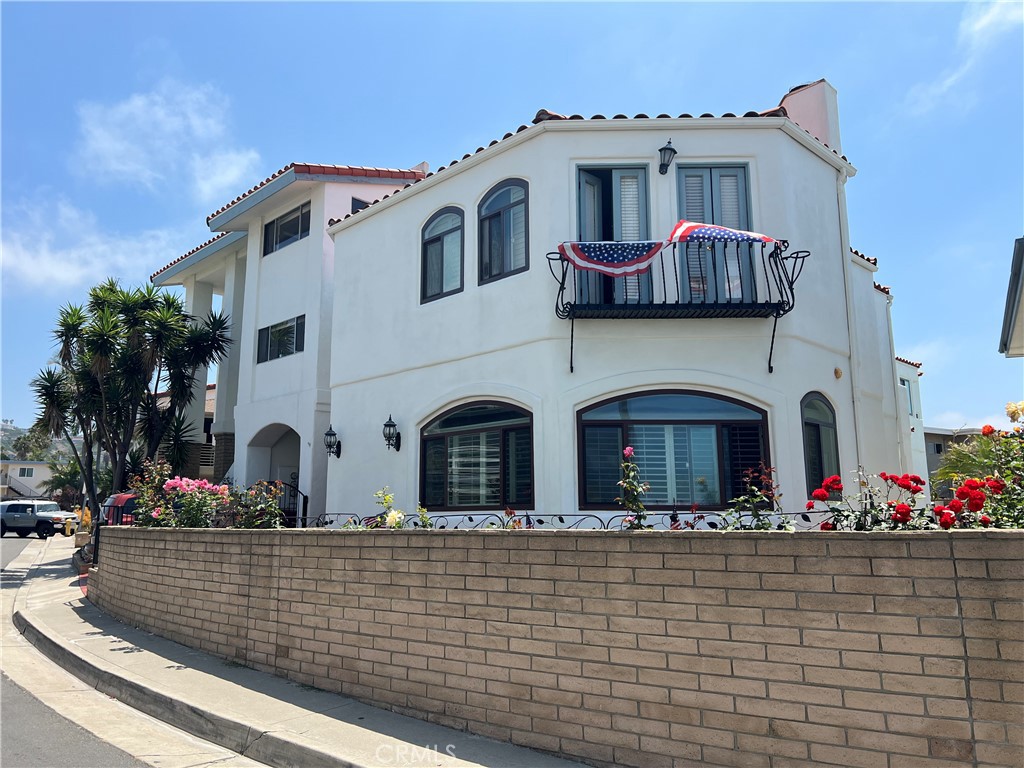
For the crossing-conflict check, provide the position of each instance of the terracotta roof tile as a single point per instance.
(883, 288)
(324, 170)
(908, 362)
(544, 115)
(869, 259)
(185, 256)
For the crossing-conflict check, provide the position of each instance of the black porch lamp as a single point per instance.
(332, 443)
(392, 437)
(666, 154)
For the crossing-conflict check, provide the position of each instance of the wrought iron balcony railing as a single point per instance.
(695, 279)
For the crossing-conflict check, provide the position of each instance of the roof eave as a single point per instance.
(167, 276)
(223, 222)
(1011, 311)
(688, 123)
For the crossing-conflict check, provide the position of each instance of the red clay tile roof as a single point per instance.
(325, 170)
(868, 259)
(908, 362)
(883, 288)
(544, 115)
(185, 256)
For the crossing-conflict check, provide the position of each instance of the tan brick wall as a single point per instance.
(636, 649)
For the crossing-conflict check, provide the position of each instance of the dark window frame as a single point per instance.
(502, 504)
(804, 422)
(298, 340)
(721, 425)
(499, 214)
(424, 242)
(272, 229)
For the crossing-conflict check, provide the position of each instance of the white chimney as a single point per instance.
(815, 108)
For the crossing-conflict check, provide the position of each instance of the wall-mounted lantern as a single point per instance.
(392, 437)
(666, 154)
(332, 443)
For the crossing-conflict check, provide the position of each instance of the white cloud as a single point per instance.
(59, 248)
(173, 135)
(979, 25)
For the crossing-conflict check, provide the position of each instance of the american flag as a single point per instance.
(615, 259)
(687, 231)
(673, 522)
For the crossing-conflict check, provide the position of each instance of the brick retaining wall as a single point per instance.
(639, 649)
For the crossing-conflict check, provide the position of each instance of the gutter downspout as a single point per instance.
(905, 451)
(851, 325)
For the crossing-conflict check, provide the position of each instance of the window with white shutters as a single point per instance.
(691, 447)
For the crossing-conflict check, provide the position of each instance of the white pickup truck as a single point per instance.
(44, 517)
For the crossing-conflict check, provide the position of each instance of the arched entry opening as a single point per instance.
(273, 454)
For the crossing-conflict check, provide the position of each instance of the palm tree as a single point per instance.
(126, 370)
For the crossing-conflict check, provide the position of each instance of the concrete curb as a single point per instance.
(263, 746)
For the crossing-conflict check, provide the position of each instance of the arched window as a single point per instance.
(442, 254)
(478, 456)
(504, 231)
(821, 444)
(691, 447)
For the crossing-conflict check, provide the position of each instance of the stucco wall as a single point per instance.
(654, 649)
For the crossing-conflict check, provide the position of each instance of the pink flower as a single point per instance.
(628, 451)
(155, 514)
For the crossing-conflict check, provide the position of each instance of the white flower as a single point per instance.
(394, 518)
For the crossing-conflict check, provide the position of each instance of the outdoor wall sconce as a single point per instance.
(392, 437)
(332, 443)
(666, 154)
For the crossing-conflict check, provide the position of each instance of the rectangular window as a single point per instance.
(723, 273)
(612, 208)
(286, 229)
(281, 339)
(26, 471)
(937, 448)
(905, 384)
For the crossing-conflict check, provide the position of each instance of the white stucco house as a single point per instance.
(514, 373)
(272, 265)
(516, 378)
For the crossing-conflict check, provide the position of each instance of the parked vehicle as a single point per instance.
(119, 509)
(46, 518)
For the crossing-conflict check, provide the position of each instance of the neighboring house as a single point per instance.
(513, 389)
(1011, 340)
(202, 462)
(937, 443)
(273, 267)
(20, 479)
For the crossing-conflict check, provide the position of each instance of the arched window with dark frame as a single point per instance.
(477, 456)
(442, 262)
(821, 441)
(692, 447)
(504, 230)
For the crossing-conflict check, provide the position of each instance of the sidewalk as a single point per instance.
(264, 718)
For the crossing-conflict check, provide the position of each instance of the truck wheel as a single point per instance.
(41, 531)
(22, 534)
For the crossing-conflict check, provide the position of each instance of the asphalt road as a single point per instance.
(34, 736)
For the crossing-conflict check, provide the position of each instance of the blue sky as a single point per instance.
(125, 124)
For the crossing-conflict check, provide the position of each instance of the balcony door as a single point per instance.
(717, 273)
(612, 207)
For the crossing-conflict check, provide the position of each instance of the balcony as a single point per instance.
(700, 278)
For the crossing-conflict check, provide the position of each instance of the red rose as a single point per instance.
(828, 525)
(820, 494)
(832, 483)
(940, 508)
(901, 514)
(957, 506)
(904, 483)
(963, 492)
(996, 485)
(810, 505)
(972, 483)
(976, 501)
(987, 430)
(916, 479)
(948, 520)
(985, 521)
(915, 488)
(883, 475)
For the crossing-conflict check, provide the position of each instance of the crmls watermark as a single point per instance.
(411, 754)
